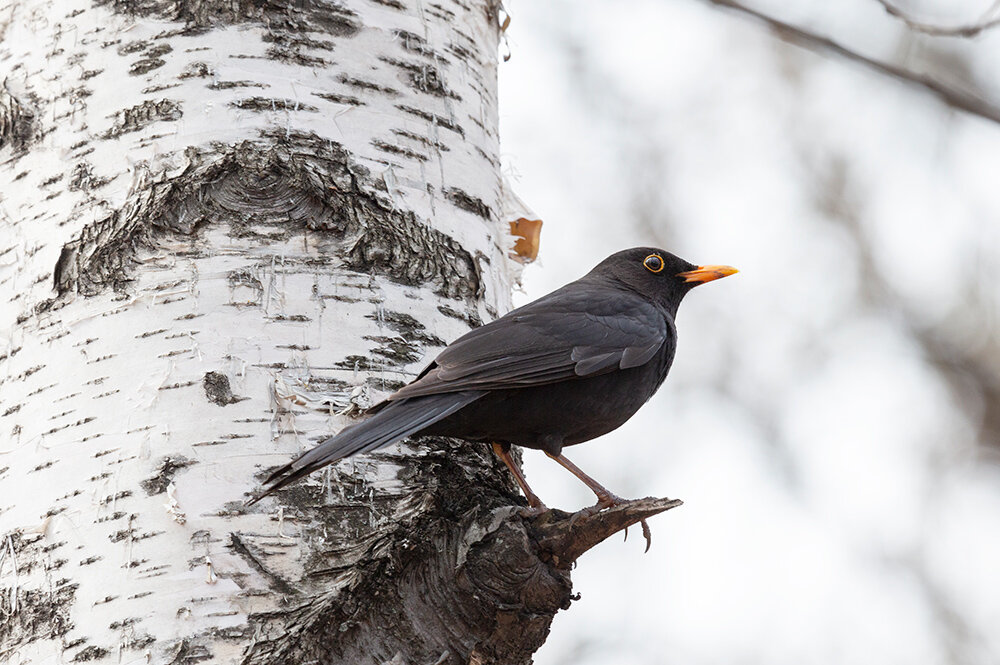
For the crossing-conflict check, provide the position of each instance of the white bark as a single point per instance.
(220, 225)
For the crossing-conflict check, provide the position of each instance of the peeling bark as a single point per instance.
(228, 227)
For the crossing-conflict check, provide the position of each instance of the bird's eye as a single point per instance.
(653, 263)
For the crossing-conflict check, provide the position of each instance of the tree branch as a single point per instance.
(950, 95)
(970, 30)
(563, 538)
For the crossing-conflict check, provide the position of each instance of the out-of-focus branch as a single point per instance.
(970, 369)
(950, 95)
(988, 20)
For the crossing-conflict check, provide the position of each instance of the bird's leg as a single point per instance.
(535, 505)
(605, 498)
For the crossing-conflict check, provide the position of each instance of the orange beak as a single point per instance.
(707, 273)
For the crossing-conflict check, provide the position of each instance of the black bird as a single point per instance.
(564, 369)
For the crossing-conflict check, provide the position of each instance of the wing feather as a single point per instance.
(575, 332)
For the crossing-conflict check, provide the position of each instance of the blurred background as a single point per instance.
(832, 420)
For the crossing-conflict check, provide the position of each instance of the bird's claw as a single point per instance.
(607, 501)
(646, 533)
(589, 511)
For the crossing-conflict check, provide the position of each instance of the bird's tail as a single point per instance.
(395, 421)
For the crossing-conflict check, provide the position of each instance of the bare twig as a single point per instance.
(987, 21)
(950, 95)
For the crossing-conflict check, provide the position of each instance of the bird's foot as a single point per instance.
(533, 510)
(603, 501)
(610, 500)
(566, 543)
(607, 501)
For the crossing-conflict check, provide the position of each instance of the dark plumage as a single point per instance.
(564, 369)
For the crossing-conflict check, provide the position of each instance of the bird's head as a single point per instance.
(658, 274)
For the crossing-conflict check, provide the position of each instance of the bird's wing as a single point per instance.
(571, 333)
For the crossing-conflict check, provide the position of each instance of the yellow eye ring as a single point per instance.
(653, 263)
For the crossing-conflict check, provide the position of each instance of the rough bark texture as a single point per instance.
(227, 226)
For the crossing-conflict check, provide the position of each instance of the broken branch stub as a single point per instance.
(565, 537)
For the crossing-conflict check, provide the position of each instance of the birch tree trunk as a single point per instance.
(226, 226)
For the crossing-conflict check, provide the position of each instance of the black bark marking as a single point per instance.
(90, 653)
(295, 57)
(265, 104)
(188, 654)
(281, 187)
(136, 46)
(413, 43)
(407, 326)
(463, 53)
(82, 421)
(471, 316)
(159, 88)
(433, 118)
(440, 12)
(292, 16)
(467, 202)
(124, 494)
(399, 150)
(246, 279)
(292, 41)
(422, 77)
(158, 483)
(367, 85)
(339, 99)
(358, 363)
(384, 384)
(197, 70)
(142, 115)
(421, 139)
(130, 534)
(397, 245)
(36, 613)
(275, 581)
(217, 389)
(397, 350)
(146, 65)
(83, 178)
(226, 85)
